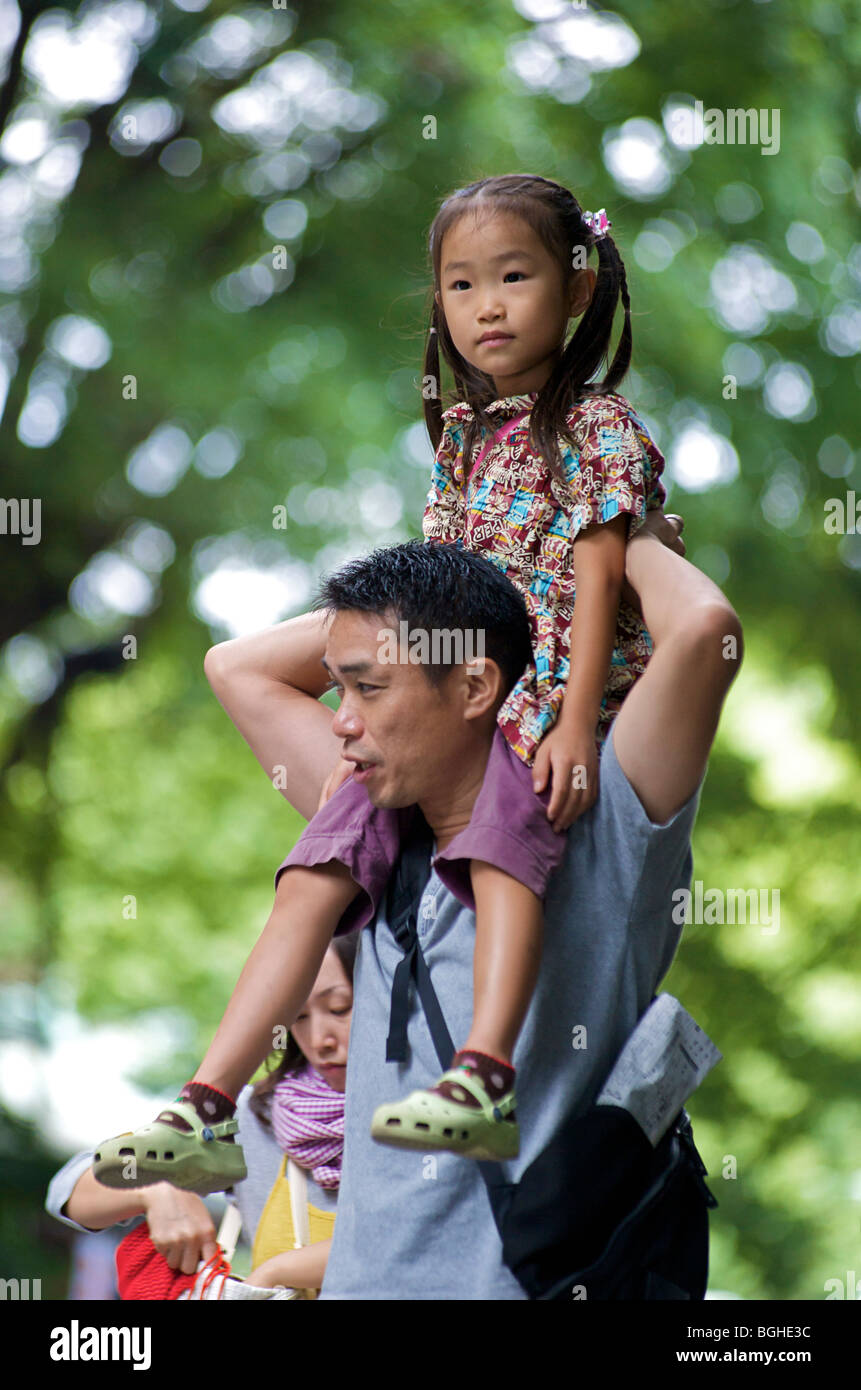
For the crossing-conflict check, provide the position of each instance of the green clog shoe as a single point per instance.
(157, 1152)
(426, 1120)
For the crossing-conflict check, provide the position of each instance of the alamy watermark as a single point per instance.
(843, 516)
(20, 1289)
(437, 646)
(21, 516)
(698, 125)
(717, 906)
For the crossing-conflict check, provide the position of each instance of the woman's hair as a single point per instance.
(293, 1058)
(557, 218)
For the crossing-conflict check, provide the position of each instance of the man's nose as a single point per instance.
(346, 723)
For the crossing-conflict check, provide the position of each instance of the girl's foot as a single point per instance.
(189, 1144)
(470, 1111)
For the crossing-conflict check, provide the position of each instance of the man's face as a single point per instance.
(407, 731)
(497, 277)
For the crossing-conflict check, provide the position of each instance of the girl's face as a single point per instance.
(322, 1028)
(500, 284)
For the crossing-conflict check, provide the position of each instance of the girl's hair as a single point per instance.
(293, 1058)
(557, 218)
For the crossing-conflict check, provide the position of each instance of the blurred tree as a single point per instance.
(214, 275)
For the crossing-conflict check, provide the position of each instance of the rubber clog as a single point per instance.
(425, 1121)
(196, 1161)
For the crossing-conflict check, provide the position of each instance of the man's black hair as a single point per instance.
(432, 586)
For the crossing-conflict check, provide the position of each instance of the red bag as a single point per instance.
(142, 1273)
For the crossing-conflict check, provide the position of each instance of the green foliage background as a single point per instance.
(127, 778)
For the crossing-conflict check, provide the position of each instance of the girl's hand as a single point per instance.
(339, 774)
(570, 759)
(180, 1227)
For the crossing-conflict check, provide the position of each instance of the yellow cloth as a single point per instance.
(275, 1232)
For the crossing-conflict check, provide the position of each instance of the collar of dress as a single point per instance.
(505, 408)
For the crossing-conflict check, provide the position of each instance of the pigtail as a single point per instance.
(622, 359)
(571, 379)
(431, 371)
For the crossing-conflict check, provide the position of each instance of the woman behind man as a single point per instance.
(296, 1110)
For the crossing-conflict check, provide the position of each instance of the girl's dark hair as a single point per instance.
(557, 218)
(293, 1058)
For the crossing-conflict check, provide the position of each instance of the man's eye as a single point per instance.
(363, 686)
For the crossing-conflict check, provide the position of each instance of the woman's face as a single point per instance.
(322, 1028)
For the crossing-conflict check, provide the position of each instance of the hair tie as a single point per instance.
(598, 223)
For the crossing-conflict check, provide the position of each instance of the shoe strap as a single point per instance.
(476, 1088)
(186, 1111)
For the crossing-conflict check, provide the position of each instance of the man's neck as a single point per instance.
(449, 810)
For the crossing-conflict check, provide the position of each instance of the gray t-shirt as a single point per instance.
(419, 1226)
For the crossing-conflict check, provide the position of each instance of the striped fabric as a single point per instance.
(308, 1123)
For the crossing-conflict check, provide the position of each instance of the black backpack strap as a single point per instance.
(403, 900)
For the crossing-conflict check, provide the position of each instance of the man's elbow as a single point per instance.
(216, 665)
(716, 632)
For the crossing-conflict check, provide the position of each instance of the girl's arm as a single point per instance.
(295, 1269)
(270, 685)
(599, 566)
(569, 748)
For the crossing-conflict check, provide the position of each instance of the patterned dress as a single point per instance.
(520, 517)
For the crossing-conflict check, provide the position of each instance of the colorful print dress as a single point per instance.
(524, 520)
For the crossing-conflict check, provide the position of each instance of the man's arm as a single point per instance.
(270, 684)
(665, 729)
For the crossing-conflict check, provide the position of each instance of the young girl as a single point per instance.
(296, 1111)
(564, 476)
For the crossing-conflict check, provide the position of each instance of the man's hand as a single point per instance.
(337, 777)
(561, 753)
(667, 529)
(180, 1227)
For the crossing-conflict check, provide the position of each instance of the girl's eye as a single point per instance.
(514, 272)
(342, 1011)
(460, 282)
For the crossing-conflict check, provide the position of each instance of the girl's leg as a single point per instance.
(499, 866)
(347, 851)
(279, 974)
(509, 925)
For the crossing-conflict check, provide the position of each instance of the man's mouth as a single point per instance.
(362, 769)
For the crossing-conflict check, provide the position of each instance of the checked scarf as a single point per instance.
(308, 1123)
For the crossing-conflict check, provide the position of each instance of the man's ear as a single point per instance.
(483, 684)
(582, 290)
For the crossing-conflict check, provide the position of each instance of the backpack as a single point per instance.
(600, 1214)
